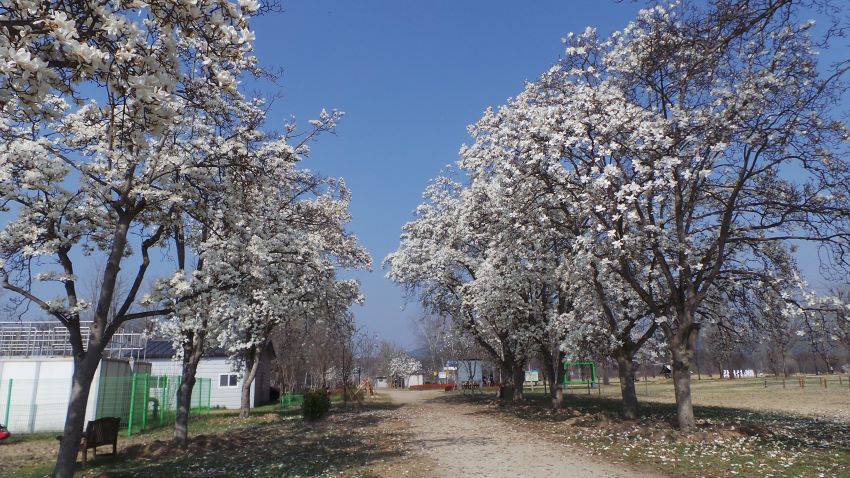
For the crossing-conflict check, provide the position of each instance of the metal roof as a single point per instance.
(157, 348)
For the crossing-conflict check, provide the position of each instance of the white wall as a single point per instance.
(417, 379)
(465, 366)
(227, 397)
(41, 388)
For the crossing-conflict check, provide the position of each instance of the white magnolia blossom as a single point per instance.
(403, 366)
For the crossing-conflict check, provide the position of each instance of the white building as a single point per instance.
(226, 390)
(36, 371)
(415, 379)
(35, 391)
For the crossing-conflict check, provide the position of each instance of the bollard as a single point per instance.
(783, 383)
(765, 383)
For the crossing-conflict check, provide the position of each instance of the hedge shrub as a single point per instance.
(315, 405)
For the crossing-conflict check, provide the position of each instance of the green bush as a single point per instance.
(315, 405)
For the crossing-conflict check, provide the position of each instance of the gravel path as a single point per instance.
(465, 441)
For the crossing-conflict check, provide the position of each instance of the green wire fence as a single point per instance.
(141, 400)
(145, 401)
(288, 400)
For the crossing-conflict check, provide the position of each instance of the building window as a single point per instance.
(227, 380)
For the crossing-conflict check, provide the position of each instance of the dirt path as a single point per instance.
(465, 441)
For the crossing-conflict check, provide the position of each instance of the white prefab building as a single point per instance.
(35, 391)
(226, 390)
(415, 379)
(36, 370)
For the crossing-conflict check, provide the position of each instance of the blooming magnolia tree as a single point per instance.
(448, 262)
(672, 143)
(402, 367)
(99, 102)
(267, 247)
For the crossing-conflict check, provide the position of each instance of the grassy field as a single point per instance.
(352, 441)
(745, 428)
(758, 394)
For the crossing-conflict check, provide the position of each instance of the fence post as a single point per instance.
(783, 383)
(8, 403)
(765, 383)
(145, 403)
(132, 404)
(209, 395)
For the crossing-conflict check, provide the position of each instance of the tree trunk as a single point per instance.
(193, 350)
(551, 370)
(556, 384)
(69, 446)
(682, 387)
(627, 386)
(550, 374)
(519, 380)
(252, 363)
(506, 388)
(606, 380)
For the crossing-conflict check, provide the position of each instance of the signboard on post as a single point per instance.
(532, 375)
(441, 375)
(451, 364)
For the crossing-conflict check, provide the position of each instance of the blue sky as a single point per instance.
(410, 77)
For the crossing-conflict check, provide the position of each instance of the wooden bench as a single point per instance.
(100, 432)
(471, 385)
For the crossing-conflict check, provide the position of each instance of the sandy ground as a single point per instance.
(466, 441)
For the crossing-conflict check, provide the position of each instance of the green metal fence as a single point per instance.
(144, 401)
(288, 400)
(141, 400)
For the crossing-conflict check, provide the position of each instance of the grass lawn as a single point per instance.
(352, 441)
(751, 393)
(745, 429)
